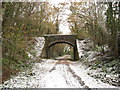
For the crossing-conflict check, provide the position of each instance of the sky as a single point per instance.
(64, 26)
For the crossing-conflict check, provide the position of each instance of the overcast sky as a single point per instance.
(64, 27)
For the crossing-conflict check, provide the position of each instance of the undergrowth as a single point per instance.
(12, 67)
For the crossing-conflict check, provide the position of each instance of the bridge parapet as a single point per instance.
(69, 39)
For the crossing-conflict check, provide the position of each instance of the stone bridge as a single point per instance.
(53, 39)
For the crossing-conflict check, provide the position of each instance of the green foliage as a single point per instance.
(106, 66)
(91, 22)
(4, 61)
(20, 22)
(60, 50)
(97, 48)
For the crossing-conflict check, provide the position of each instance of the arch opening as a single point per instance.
(61, 50)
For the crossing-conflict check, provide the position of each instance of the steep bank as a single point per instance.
(12, 67)
(100, 66)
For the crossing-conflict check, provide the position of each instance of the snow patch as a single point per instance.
(39, 45)
(89, 81)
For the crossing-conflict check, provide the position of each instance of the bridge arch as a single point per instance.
(51, 40)
(60, 41)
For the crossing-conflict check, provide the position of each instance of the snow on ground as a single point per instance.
(84, 48)
(88, 54)
(60, 78)
(48, 74)
(39, 45)
(82, 72)
(80, 45)
(27, 80)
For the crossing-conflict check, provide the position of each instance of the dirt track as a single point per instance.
(55, 74)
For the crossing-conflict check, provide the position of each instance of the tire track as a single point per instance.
(82, 83)
(78, 78)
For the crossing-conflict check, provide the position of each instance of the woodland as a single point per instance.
(22, 21)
